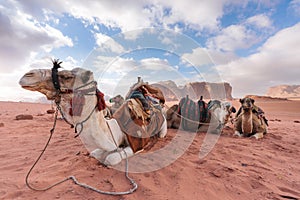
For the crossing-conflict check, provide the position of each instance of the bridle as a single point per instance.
(57, 96)
(77, 91)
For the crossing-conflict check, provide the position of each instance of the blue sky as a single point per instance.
(250, 44)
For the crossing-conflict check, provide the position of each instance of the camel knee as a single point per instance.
(116, 157)
(98, 154)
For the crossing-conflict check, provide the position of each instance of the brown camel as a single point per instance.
(218, 114)
(250, 120)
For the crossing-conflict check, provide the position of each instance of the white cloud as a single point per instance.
(198, 57)
(108, 44)
(243, 35)
(203, 56)
(156, 64)
(260, 21)
(277, 62)
(195, 14)
(22, 35)
(232, 38)
(120, 66)
(133, 35)
(294, 5)
(138, 14)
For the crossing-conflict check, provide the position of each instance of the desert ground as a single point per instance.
(235, 168)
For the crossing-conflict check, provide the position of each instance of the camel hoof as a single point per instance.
(254, 136)
(112, 159)
(236, 133)
(257, 136)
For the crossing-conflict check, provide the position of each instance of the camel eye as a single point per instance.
(30, 74)
(66, 77)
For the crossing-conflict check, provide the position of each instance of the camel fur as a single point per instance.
(103, 138)
(219, 113)
(250, 121)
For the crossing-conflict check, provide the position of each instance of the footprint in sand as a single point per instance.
(288, 193)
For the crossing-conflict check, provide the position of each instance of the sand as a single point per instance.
(236, 168)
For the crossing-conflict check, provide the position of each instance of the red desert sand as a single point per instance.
(236, 168)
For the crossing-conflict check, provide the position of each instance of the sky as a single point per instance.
(253, 45)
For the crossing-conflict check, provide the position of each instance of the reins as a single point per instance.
(73, 178)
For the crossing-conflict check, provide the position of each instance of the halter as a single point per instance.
(59, 90)
(79, 92)
(100, 104)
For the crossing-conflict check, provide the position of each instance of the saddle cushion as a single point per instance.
(192, 113)
(133, 122)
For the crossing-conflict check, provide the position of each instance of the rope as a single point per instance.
(73, 178)
(187, 119)
(39, 157)
(81, 123)
(130, 191)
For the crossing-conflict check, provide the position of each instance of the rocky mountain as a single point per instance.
(173, 92)
(284, 91)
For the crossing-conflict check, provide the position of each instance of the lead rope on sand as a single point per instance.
(73, 178)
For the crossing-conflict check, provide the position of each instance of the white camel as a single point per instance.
(102, 137)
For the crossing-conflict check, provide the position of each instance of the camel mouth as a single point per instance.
(27, 87)
(247, 108)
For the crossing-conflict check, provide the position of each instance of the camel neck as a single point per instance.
(247, 126)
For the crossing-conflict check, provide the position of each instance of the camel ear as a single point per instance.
(252, 100)
(86, 76)
(241, 100)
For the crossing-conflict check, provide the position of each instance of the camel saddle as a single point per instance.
(192, 113)
(137, 126)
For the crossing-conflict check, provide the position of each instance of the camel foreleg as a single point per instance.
(117, 156)
(237, 133)
(258, 135)
(164, 129)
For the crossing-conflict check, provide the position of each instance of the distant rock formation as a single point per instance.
(284, 91)
(265, 98)
(173, 92)
(24, 117)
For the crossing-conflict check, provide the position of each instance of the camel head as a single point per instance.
(221, 110)
(41, 80)
(117, 99)
(247, 104)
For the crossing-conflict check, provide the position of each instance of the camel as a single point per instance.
(250, 120)
(117, 102)
(218, 114)
(173, 118)
(75, 93)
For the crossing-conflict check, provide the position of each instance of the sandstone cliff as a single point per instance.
(284, 91)
(173, 92)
